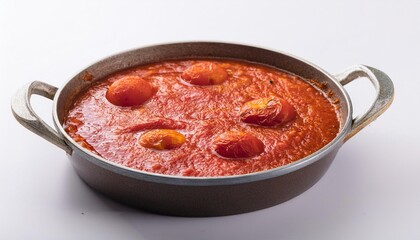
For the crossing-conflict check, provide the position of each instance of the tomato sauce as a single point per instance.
(210, 124)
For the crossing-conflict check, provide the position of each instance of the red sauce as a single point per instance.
(203, 118)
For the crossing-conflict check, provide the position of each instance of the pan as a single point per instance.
(200, 196)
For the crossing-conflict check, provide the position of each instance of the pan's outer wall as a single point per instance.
(198, 197)
(200, 201)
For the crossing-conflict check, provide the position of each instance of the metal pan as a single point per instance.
(200, 196)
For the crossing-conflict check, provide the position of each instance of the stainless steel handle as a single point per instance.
(384, 94)
(25, 115)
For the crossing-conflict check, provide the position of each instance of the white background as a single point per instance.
(372, 190)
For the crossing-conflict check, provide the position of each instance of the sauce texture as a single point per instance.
(208, 122)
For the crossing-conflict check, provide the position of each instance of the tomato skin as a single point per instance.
(156, 123)
(205, 73)
(129, 91)
(267, 112)
(238, 145)
(162, 139)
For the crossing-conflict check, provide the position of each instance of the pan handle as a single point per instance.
(25, 115)
(384, 94)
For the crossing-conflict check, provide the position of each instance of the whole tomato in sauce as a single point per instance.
(205, 73)
(129, 91)
(234, 144)
(267, 112)
(162, 139)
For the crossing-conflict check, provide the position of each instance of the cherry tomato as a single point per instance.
(267, 112)
(205, 73)
(233, 144)
(162, 139)
(129, 91)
